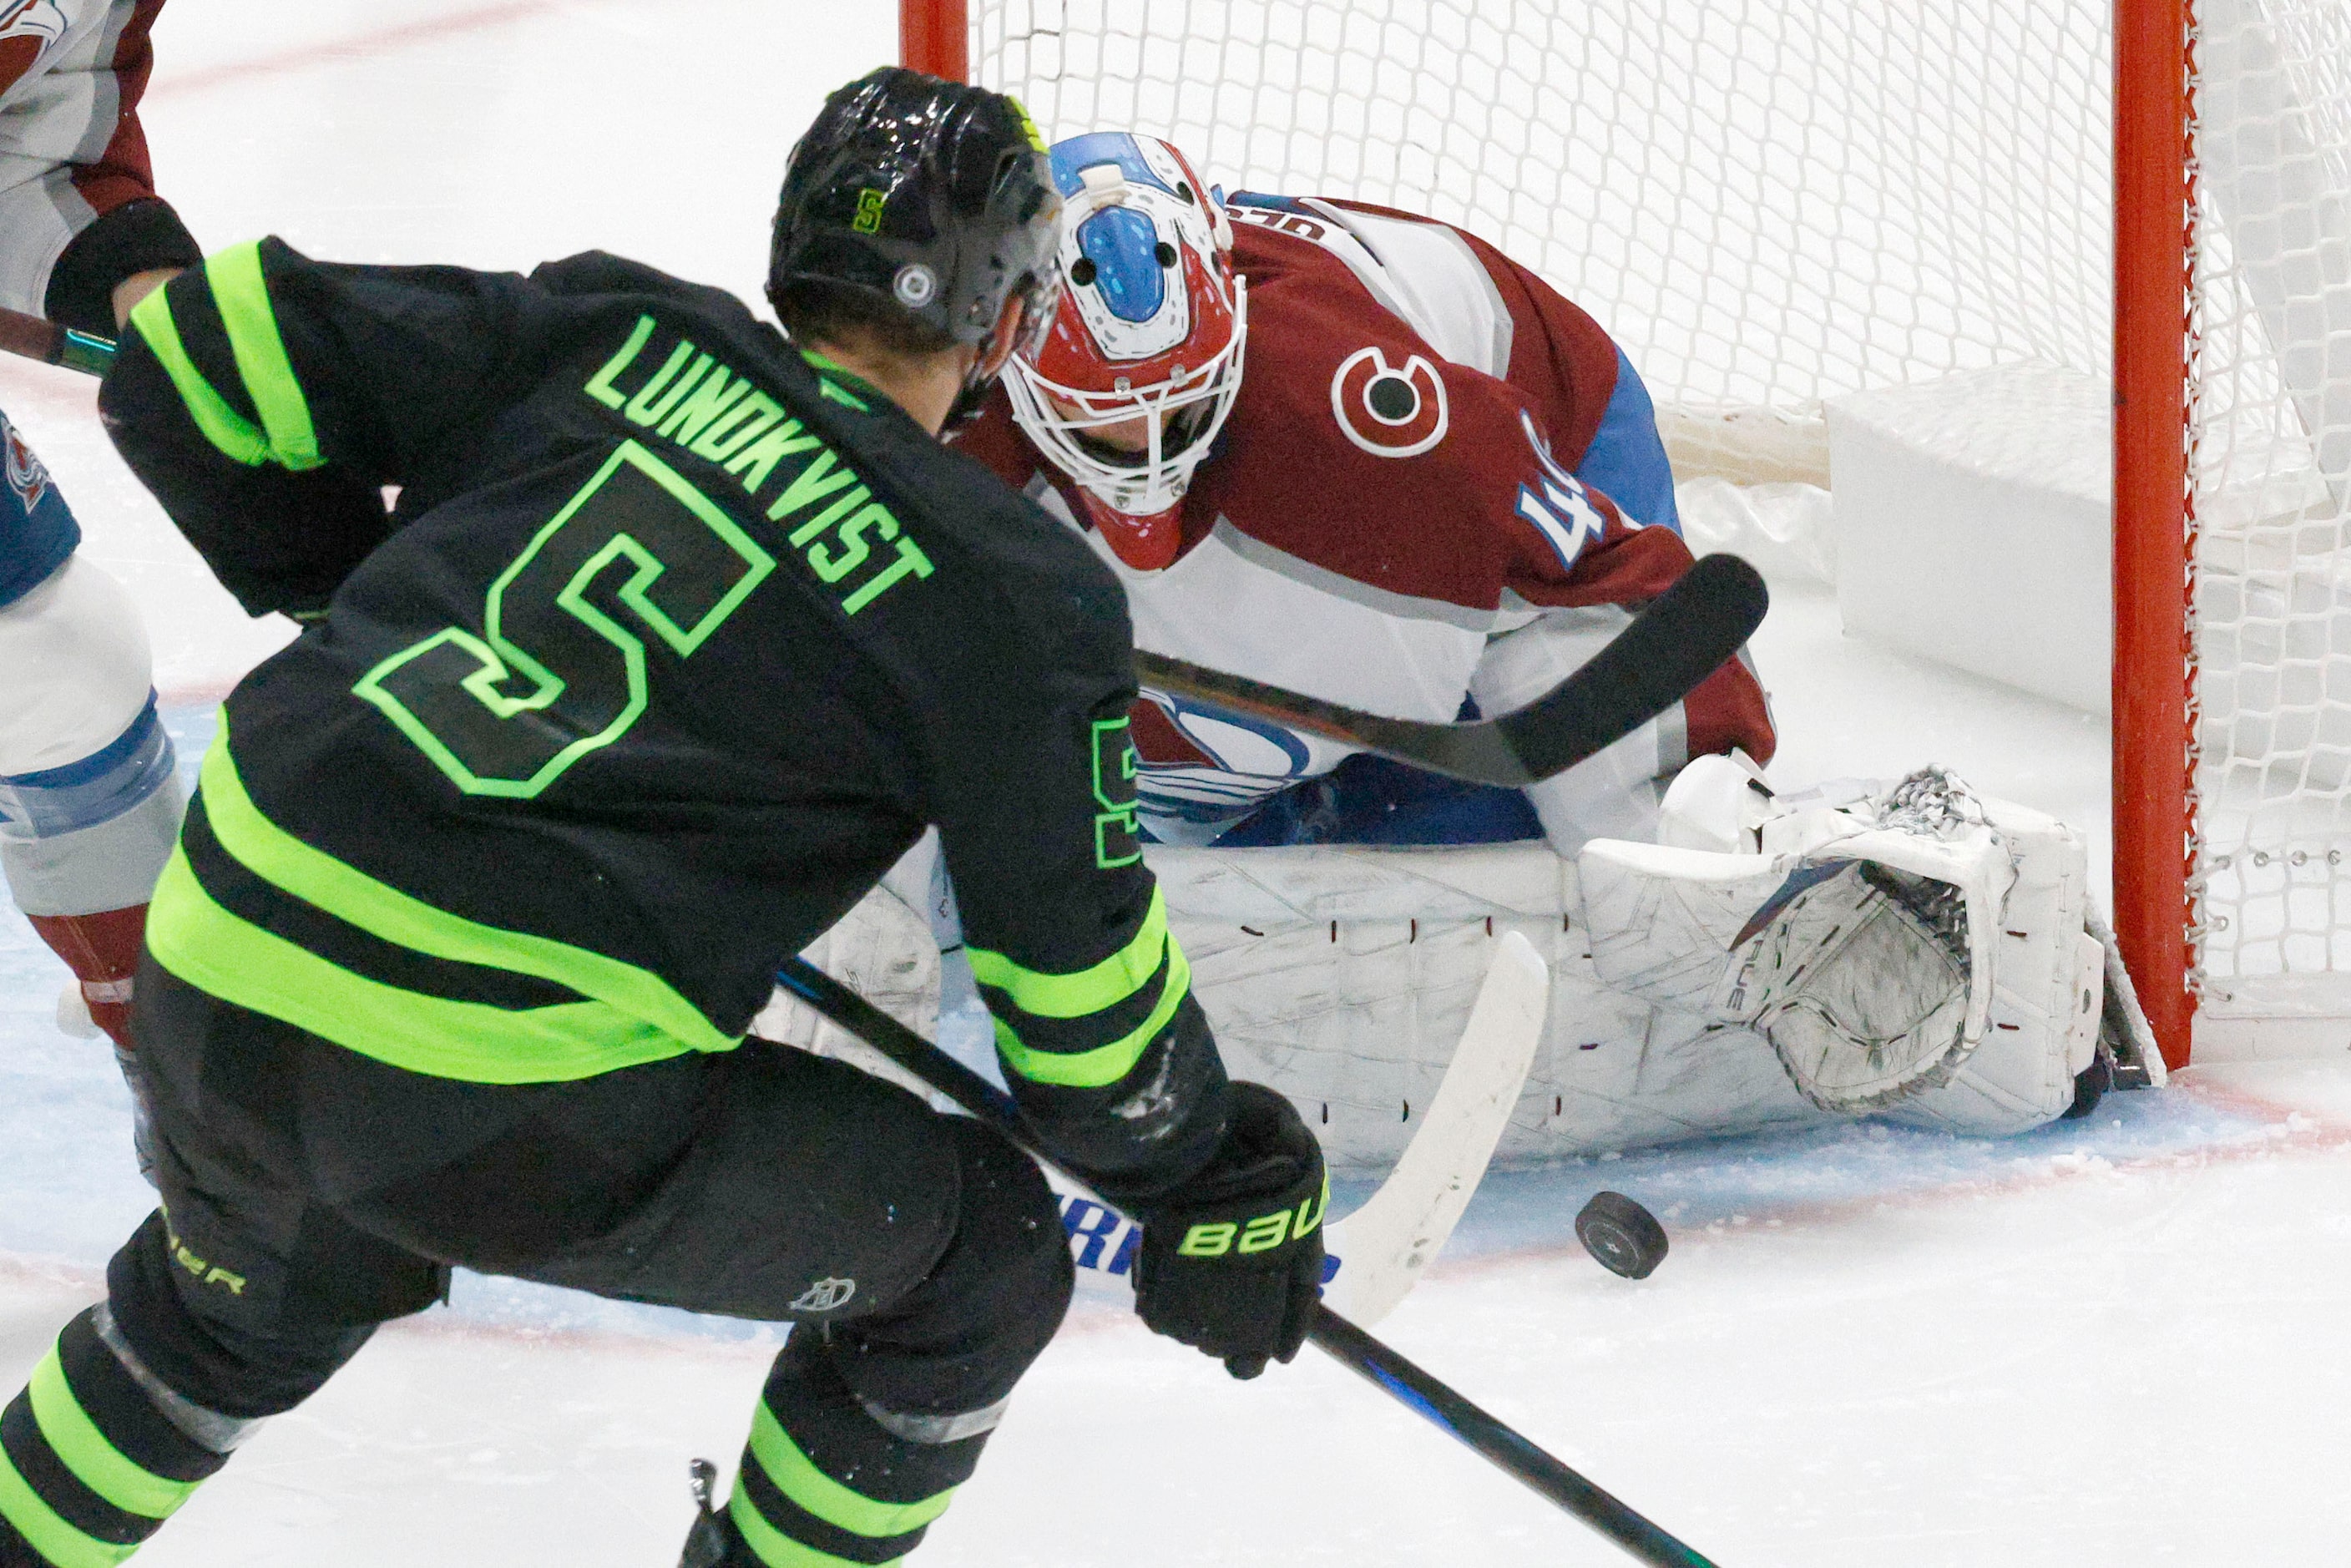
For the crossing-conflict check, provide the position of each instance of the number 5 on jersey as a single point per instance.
(556, 675)
(1117, 840)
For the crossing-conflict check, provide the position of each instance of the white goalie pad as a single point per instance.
(1344, 976)
(887, 950)
(1377, 1253)
(1920, 954)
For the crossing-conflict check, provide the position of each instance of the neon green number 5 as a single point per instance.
(555, 675)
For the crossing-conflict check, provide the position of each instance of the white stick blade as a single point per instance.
(1383, 1246)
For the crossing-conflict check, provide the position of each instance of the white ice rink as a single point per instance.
(2110, 1343)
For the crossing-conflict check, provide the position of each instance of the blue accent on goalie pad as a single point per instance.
(37, 530)
(1626, 458)
(97, 788)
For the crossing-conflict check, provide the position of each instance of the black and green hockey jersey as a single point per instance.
(673, 641)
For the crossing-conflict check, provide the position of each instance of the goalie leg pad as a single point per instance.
(1344, 976)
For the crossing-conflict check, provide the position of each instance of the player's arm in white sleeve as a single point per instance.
(1612, 795)
(82, 231)
(1579, 572)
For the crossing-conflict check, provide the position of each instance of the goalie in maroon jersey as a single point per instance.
(1361, 456)
(1367, 456)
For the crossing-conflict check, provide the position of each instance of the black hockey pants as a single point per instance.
(311, 1193)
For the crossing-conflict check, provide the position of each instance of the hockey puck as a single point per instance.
(1624, 1237)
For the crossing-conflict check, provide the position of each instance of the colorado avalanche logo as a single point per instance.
(26, 478)
(1210, 764)
(1387, 411)
(38, 18)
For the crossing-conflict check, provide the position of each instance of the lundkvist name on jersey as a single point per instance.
(705, 408)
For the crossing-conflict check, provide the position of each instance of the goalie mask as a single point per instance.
(1139, 370)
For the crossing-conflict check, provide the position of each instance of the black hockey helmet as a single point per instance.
(934, 196)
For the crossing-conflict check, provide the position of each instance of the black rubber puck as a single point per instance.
(1624, 1237)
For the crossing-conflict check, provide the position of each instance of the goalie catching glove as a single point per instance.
(1231, 1261)
(1920, 952)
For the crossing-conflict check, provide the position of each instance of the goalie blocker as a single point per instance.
(1918, 953)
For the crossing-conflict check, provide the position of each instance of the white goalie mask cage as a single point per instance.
(1153, 324)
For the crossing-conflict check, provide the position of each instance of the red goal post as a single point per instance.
(2184, 298)
(2154, 745)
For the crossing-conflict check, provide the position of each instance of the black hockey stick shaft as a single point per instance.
(36, 338)
(1680, 638)
(1417, 1390)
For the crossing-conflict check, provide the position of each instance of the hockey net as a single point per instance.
(1773, 206)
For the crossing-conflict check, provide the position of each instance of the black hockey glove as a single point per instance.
(1231, 1261)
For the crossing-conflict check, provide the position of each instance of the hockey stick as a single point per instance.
(1378, 1252)
(53, 345)
(1684, 635)
(1351, 1346)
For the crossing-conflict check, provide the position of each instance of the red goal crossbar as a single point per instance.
(2153, 564)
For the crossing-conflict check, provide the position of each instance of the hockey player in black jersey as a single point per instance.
(679, 634)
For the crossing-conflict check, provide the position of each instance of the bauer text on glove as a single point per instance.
(1232, 1259)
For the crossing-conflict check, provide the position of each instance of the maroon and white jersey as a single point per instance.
(71, 151)
(1393, 521)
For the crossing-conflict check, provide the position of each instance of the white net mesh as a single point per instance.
(1764, 209)
(2272, 459)
(1772, 205)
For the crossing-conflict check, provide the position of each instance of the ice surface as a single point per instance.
(2109, 1342)
(2106, 1344)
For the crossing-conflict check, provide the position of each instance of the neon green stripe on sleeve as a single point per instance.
(1104, 1064)
(51, 1536)
(349, 894)
(221, 424)
(797, 1477)
(243, 297)
(96, 1462)
(776, 1549)
(1090, 990)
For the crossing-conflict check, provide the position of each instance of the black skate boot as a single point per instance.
(708, 1543)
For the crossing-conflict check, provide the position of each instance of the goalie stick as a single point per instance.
(1682, 636)
(1499, 1443)
(1378, 1252)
